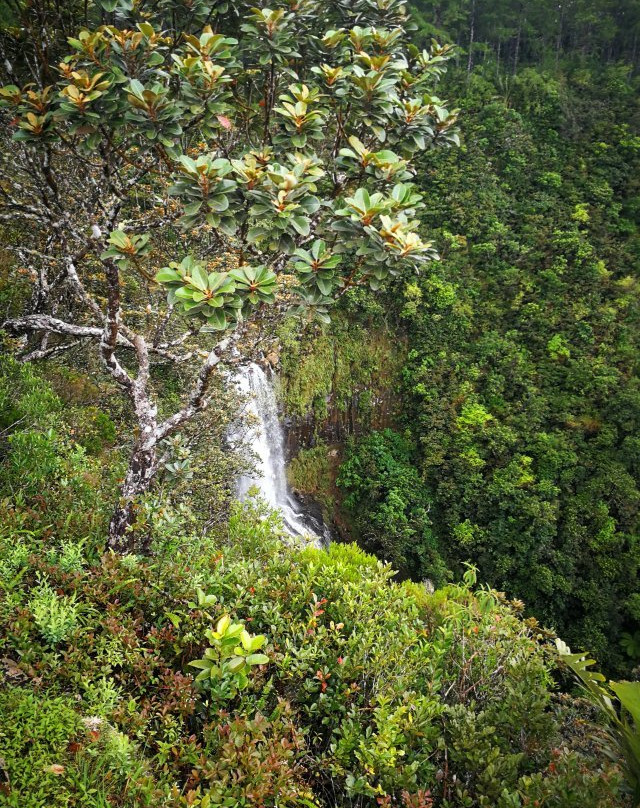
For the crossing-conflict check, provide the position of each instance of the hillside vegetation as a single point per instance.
(520, 406)
(364, 691)
(427, 226)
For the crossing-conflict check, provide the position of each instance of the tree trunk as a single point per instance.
(143, 462)
(559, 34)
(516, 56)
(142, 469)
(472, 32)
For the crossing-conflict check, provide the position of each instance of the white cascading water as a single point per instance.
(267, 443)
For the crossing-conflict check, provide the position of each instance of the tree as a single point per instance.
(389, 506)
(176, 179)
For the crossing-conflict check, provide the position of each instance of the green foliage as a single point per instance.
(34, 737)
(520, 391)
(60, 461)
(55, 617)
(205, 190)
(518, 445)
(124, 249)
(311, 471)
(227, 663)
(623, 740)
(509, 35)
(52, 459)
(212, 162)
(212, 295)
(388, 504)
(325, 373)
(317, 264)
(303, 117)
(23, 397)
(376, 692)
(257, 762)
(53, 757)
(142, 87)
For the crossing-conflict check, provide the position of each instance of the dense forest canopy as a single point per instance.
(534, 31)
(519, 391)
(188, 186)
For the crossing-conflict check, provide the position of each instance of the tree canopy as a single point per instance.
(170, 173)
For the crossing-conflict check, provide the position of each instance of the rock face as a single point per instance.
(332, 429)
(338, 383)
(336, 424)
(331, 386)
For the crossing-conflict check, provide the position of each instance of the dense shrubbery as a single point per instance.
(390, 506)
(372, 688)
(374, 693)
(45, 447)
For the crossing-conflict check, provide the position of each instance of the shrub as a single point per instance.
(227, 662)
(376, 692)
(48, 482)
(56, 617)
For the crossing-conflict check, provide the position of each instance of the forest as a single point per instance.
(319, 403)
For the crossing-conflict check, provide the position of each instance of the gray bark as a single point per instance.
(112, 335)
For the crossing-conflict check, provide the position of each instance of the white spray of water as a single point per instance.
(267, 444)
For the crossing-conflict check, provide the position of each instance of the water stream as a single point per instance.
(266, 440)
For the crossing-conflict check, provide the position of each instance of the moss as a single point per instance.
(34, 736)
(333, 366)
(53, 758)
(313, 472)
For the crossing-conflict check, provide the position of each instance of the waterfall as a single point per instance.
(267, 444)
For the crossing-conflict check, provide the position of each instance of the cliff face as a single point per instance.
(365, 410)
(333, 385)
(338, 383)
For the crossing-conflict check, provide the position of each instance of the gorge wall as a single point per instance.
(331, 385)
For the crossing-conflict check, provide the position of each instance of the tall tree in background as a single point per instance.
(184, 162)
(535, 29)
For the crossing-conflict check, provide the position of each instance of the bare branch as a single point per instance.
(53, 325)
(46, 353)
(197, 400)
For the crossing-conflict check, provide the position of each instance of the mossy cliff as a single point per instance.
(336, 382)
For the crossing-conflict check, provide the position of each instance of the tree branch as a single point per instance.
(53, 325)
(197, 399)
(46, 353)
